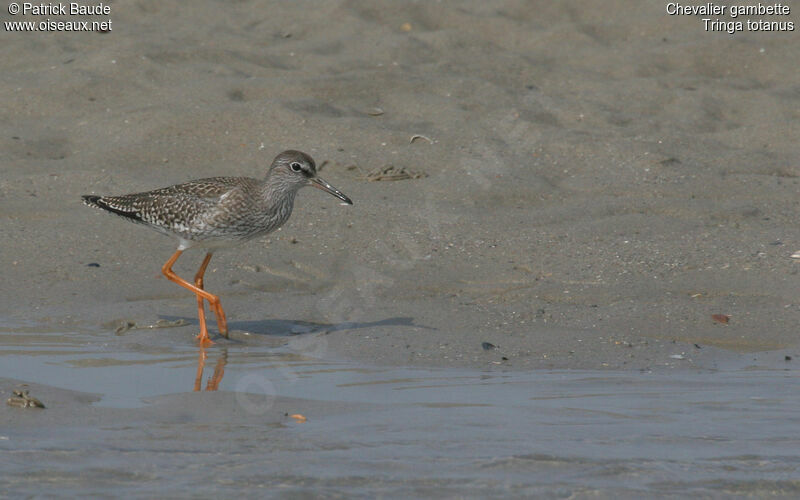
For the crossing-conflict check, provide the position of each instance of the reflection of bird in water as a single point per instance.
(218, 212)
(219, 370)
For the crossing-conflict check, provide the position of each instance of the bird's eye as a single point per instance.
(295, 166)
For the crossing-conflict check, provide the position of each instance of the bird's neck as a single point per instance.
(276, 192)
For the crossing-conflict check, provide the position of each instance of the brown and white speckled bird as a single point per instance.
(218, 212)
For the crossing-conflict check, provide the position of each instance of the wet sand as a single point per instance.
(592, 183)
(596, 176)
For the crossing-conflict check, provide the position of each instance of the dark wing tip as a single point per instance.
(91, 200)
(97, 201)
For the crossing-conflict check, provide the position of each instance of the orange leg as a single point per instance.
(213, 300)
(198, 281)
(217, 307)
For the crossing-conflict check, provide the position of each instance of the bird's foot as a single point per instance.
(204, 340)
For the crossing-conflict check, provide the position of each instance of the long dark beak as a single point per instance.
(320, 184)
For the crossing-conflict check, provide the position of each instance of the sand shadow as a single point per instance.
(287, 328)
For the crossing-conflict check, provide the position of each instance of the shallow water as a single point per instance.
(390, 432)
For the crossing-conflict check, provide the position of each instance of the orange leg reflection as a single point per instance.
(216, 377)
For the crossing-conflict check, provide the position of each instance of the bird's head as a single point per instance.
(295, 169)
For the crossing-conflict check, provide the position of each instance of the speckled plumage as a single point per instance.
(208, 212)
(218, 211)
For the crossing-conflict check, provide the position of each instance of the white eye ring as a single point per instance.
(295, 166)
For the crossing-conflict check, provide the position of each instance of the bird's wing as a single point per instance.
(174, 206)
